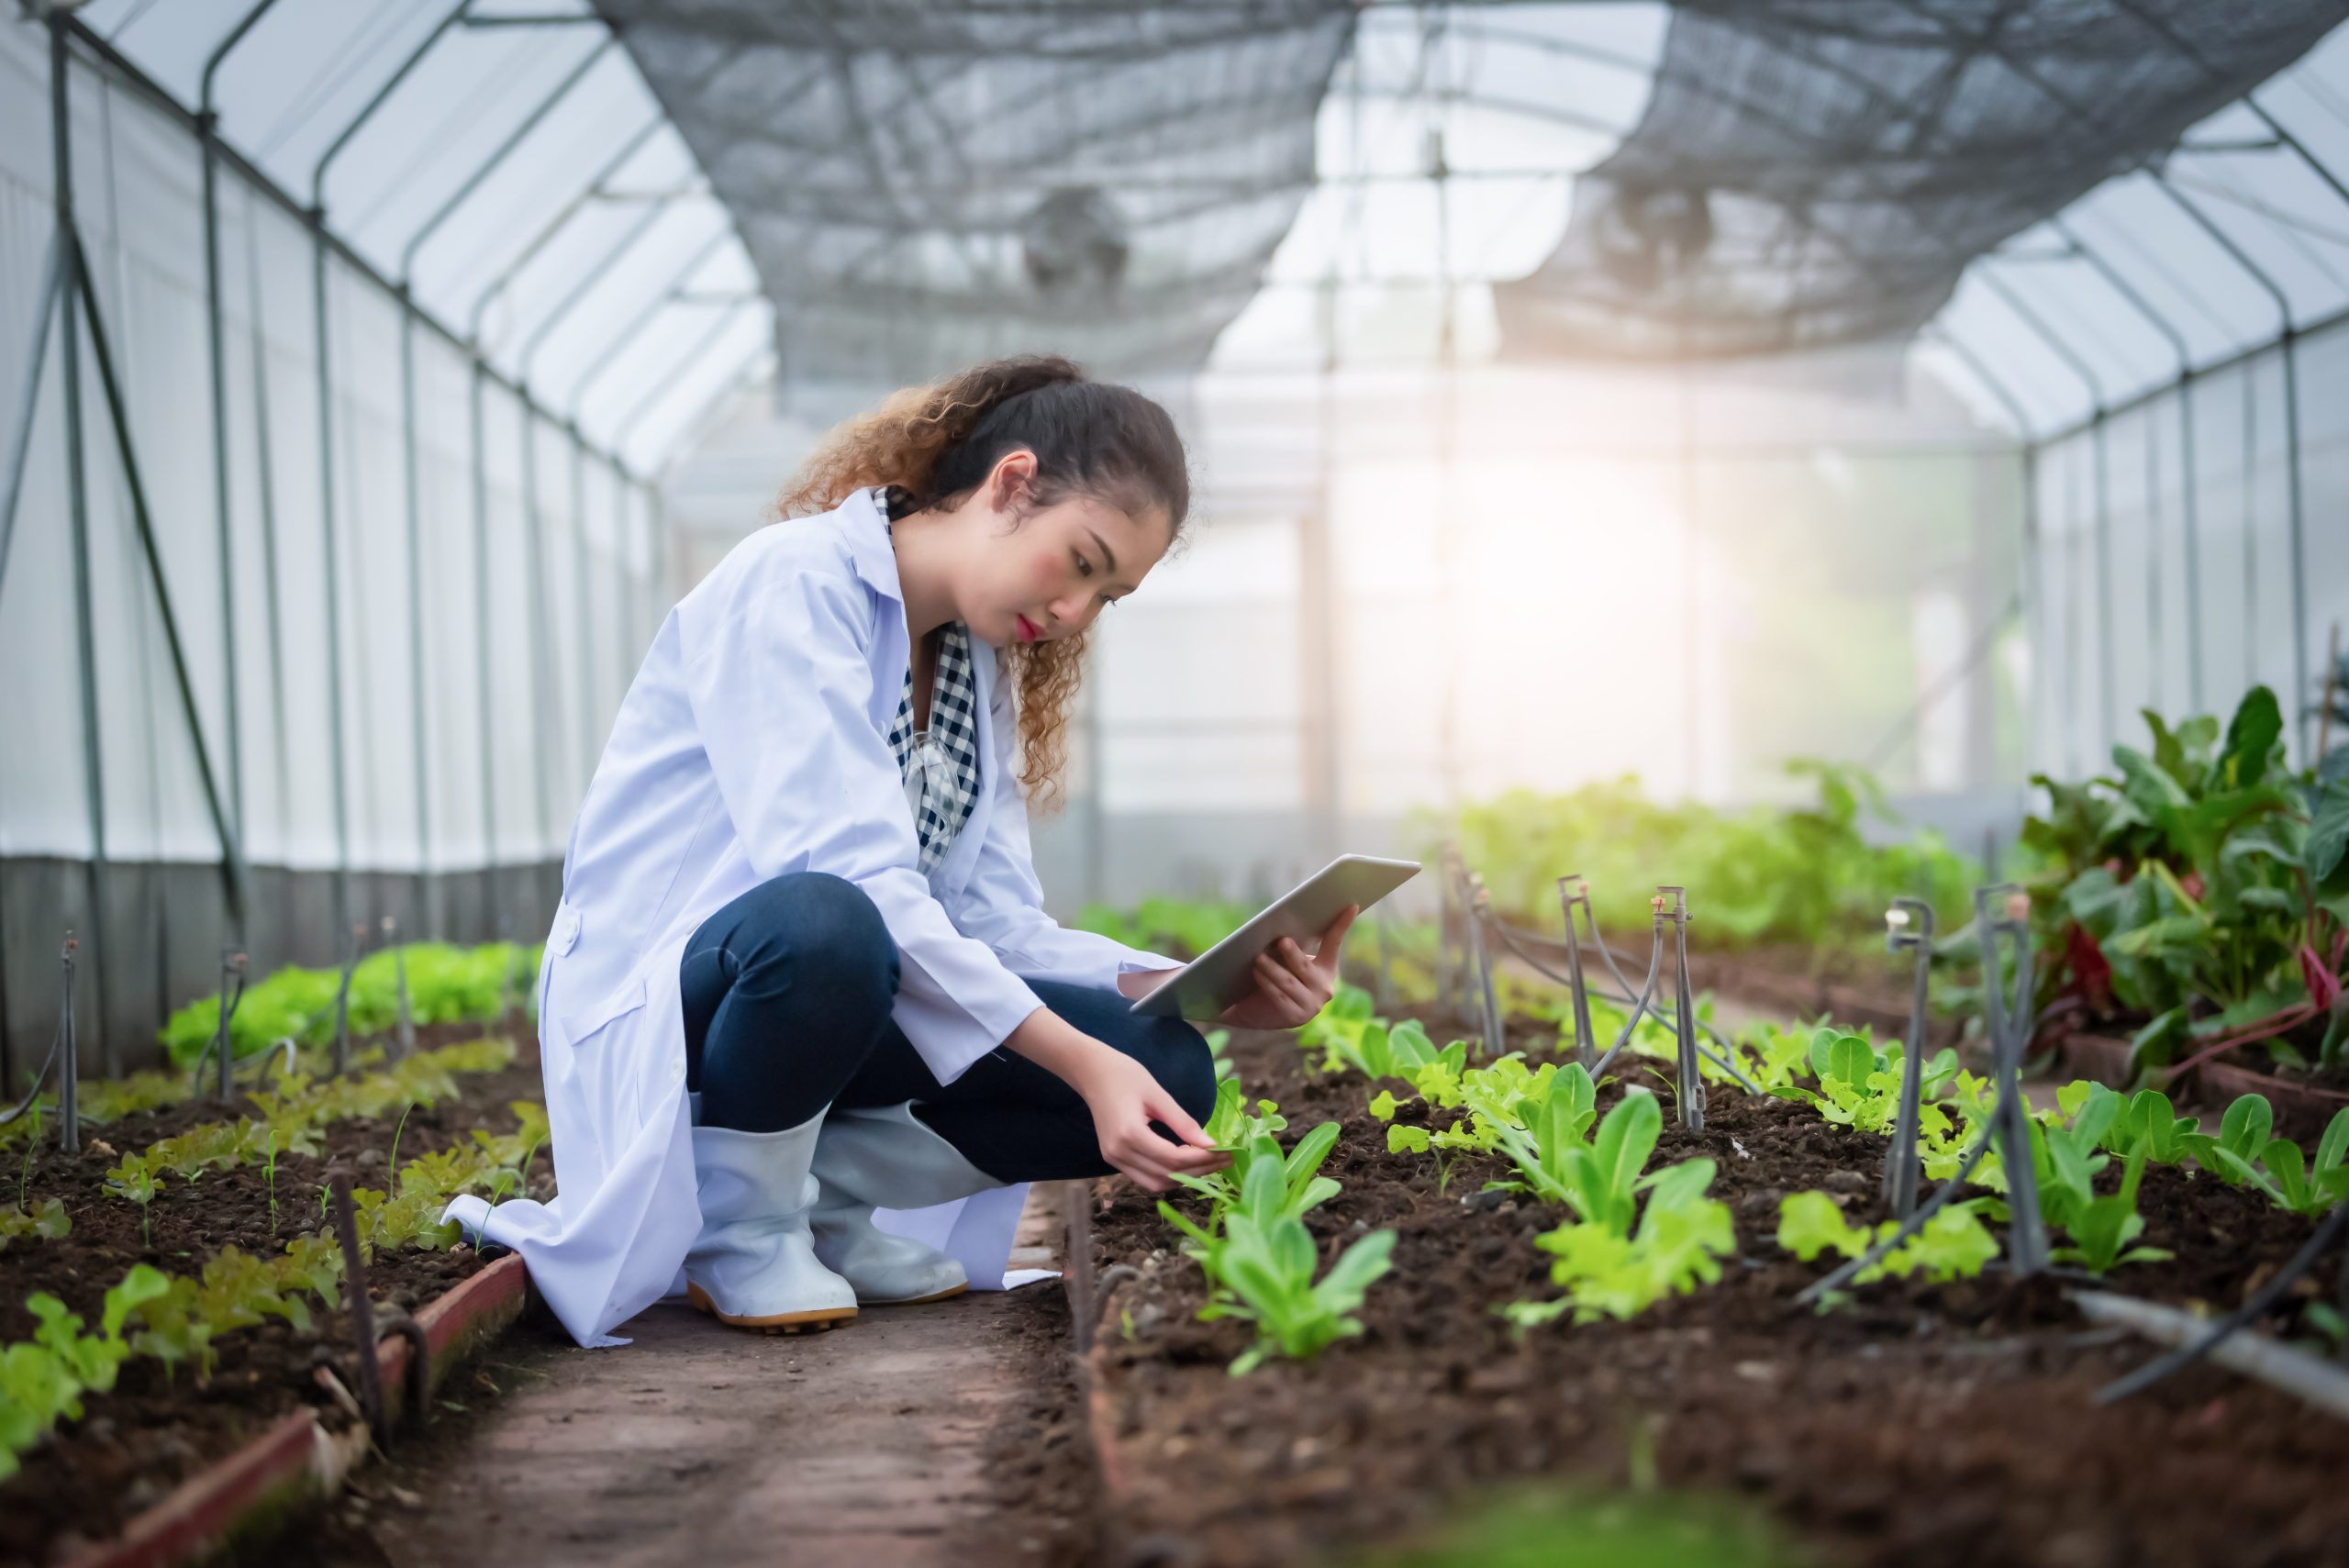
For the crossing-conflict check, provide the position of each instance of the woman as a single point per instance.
(801, 969)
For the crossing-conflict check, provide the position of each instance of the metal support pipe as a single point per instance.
(77, 507)
(642, 319)
(482, 661)
(497, 157)
(20, 450)
(2189, 500)
(2079, 366)
(589, 747)
(208, 130)
(231, 862)
(331, 568)
(2288, 349)
(428, 878)
(534, 606)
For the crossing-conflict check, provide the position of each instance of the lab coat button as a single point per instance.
(566, 931)
(678, 1068)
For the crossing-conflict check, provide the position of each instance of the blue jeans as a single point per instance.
(787, 992)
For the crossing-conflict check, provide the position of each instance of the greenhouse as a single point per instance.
(1698, 913)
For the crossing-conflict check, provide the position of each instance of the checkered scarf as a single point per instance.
(940, 765)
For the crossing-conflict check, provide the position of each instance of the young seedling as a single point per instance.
(1908, 925)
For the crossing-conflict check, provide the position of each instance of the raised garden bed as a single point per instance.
(164, 1426)
(1917, 1424)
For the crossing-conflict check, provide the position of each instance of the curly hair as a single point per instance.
(940, 441)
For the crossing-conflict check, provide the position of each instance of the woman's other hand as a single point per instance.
(1125, 1099)
(1291, 986)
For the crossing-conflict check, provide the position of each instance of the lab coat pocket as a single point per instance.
(582, 1022)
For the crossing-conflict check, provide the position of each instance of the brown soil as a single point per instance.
(133, 1445)
(1919, 1425)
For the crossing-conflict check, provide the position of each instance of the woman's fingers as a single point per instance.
(1178, 1121)
(1334, 941)
(1283, 983)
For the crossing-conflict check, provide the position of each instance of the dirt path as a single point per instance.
(861, 1447)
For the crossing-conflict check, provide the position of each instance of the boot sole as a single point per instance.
(773, 1323)
(916, 1300)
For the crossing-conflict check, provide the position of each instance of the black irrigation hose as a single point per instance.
(41, 1080)
(2303, 1261)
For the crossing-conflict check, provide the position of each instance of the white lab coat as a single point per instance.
(754, 743)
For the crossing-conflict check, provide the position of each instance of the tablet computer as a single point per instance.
(1203, 988)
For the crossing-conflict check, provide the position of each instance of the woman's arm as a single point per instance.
(1124, 1099)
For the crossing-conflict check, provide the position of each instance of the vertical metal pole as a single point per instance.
(2107, 712)
(232, 993)
(265, 488)
(1572, 891)
(582, 618)
(78, 497)
(428, 885)
(69, 1046)
(1479, 905)
(481, 646)
(333, 572)
(1908, 927)
(1672, 904)
(20, 448)
(362, 1324)
(534, 606)
(2009, 1018)
(208, 129)
(404, 1023)
(2191, 518)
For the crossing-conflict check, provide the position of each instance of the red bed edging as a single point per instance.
(296, 1462)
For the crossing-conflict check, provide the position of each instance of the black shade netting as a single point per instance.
(1810, 172)
(925, 186)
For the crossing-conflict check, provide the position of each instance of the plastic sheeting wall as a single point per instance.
(541, 610)
(2135, 609)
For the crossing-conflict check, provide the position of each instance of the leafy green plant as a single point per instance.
(42, 1380)
(2067, 1158)
(1620, 1270)
(1859, 1083)
(49, 1221)
(1261, 1261)
(2199, 891)
(2286, 1175)
(1953, 1244)
(1807, 876)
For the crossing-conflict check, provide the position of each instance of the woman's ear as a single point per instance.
(1013, 483)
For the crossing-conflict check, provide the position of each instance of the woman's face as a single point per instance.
(1049, 575)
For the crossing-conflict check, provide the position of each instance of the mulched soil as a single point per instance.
(1919, 1425)
(136, 1443)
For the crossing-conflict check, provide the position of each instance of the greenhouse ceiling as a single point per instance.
(633, 208)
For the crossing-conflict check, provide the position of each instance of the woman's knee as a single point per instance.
(820, 924)
(1178, 1057)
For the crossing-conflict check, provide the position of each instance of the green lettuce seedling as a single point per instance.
(1953, 1244)
(1678, 1242)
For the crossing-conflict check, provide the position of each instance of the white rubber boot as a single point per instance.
(753, 1265)
(885, 1157)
